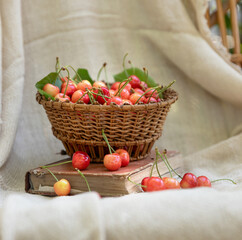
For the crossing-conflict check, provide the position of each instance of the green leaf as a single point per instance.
(84, 74)
(52, 78)
(139, 73)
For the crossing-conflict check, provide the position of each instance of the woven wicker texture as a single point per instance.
(132, 127)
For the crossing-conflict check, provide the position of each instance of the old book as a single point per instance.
(107, 183)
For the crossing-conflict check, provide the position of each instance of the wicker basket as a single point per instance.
(132, 127)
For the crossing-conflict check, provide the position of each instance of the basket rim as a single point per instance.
(170, 97)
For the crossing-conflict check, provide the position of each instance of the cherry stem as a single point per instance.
(154, 88)
(120, 89)
(100, 71)
(68, 72)
(106, 140)
(170, 165)
(125, 70)
(52, 174)
(101, 95)
(106, 76)
(166, 87)
(224, 179)
(146, 74)
(133, 71)
(77, 74)
(167, 165)
(92, 100)
(137, 184)
(84, 179)
(156, 162)
(57, 164)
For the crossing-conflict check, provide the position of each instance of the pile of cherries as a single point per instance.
(131, 91)
(189, 180)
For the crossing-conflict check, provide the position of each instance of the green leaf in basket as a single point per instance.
(139, 73)
(84, 74)
(52, 78)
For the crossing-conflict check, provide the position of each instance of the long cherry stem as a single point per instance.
(57, 164)
(154, 88)
(120, 89)
(106, 140)
(156, 162)
(66, 69)
(52, 174)
(160, 155)
(100, 71)
(125, 70)
(137, 184)
(84, 179)
(224, 179)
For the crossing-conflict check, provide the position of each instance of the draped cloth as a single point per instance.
(172, 40)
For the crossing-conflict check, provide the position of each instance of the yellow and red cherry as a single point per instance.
(99, 84)
(71, 88)
(118, 85)
(124, 94)
(80, 160)
(112, 92)
(124, 155)
(189, 180)
(116, 100)
(81, 96)
(155, 184)
(83, 85)
(171, 183)
(135, 82)
(203, 181)
(138, 90)
(51, 89)
(112, 161)
(150, 100)
(62, 187)
(150, 92)
(61, 97)
(135, 97)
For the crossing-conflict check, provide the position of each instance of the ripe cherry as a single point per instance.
(116, 100)
(135, 82)
(135, 97)
(99, 84)
(83, 85)
(143, 86)
(150, 100)
(203, 181)
(80, 160)
(112, 161)
(112, 92)
(124, 94)
(103, 91)
(124, 155)
(144, 183)
(189, 180)
(62, 187)
(118, 85)
(138, 90)
(51, 89)
(71, 88)
(78, 95)
(155, 184)
(150, 91)
(61, 97)
(171, 183)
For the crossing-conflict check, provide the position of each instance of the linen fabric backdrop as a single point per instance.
(172, 40)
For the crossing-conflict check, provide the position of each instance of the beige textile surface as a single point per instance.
(171, 40)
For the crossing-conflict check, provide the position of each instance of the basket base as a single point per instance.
(97, 153)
